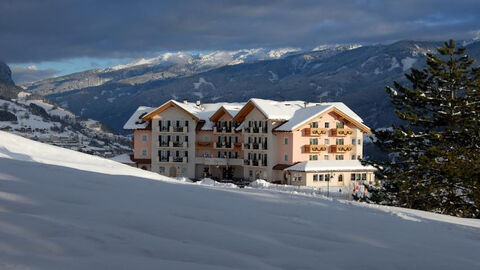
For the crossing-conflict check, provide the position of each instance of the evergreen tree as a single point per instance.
(435, 163)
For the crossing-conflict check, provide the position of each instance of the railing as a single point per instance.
(222, 145)
(204, 144)
(246, 162)
(163, 144)
(220, 129)
(179, 129)
(247, 146)
(164, 128)
(316, 131)
(163, 159)
(179, 159)
(341, 148)
(314, 148)
(179, 144)
(341, 132)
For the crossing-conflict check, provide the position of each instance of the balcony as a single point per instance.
(316, 131)
(179, 129)
(255, 130)
(223, 145)
(218, 129)
(314, 148)
(246, 162)
(341, 148)
(179, 159)
(179, 144)
(247, 146)
(163, 159)
(204, 144)
(237, 144)
(163, 144)
(341, 132)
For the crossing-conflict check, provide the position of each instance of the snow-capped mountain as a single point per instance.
(164, 66)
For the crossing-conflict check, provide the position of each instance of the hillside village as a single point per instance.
(36, 118)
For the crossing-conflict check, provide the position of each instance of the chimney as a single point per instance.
(305, 104)
(198, 103)
(185, 101)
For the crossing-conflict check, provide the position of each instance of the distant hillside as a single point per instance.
(33, 116)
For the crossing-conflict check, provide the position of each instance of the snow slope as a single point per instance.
(65, 210)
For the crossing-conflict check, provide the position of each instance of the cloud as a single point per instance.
(35, 31)
(21, 75)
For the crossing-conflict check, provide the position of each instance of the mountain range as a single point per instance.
(355, 75)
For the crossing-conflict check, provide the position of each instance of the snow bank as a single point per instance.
(91, 213)
(19, 148)
(211, 182)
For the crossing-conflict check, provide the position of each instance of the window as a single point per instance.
(297, 177)
(144, 152)
(285, 140)
(285, 157)
(320, 177)
(340, 124)
(359, 142)
(327, 125)
(327, 177)
(364, 176)
(161, 170)
(340, 178)
(359, 157)
(340, 141)
(313, 157)
(250, 173)
(353, 141)
(314, 125)
(359, 176)
(327, 142)
(315, 177)
(338, 157)
(352, 176)
(353, 157)
(325, 157)
(313, 141)
(144, 137)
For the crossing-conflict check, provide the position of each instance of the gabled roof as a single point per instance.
(302, 116)
(231, 110)
(189, 108)
(271, 109)
(135, 121)
(329, 166)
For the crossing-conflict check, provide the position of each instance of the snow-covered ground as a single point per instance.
(60, 209)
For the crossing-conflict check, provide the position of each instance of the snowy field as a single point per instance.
(60, 209)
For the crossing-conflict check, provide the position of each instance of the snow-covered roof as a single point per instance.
(123, 158)
(330, 165)
(278, 110)
(135, 121)
(303, 115)
(205, 110)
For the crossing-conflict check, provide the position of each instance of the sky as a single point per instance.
(47, 38)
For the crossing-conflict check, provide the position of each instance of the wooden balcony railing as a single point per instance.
(312, 148)
(316, 131)
(341, 132)
(341, 148)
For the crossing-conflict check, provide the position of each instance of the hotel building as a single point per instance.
(291, 142)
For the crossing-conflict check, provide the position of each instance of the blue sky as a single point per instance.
(55, 37)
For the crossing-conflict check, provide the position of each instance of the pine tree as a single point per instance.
(435, 163)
